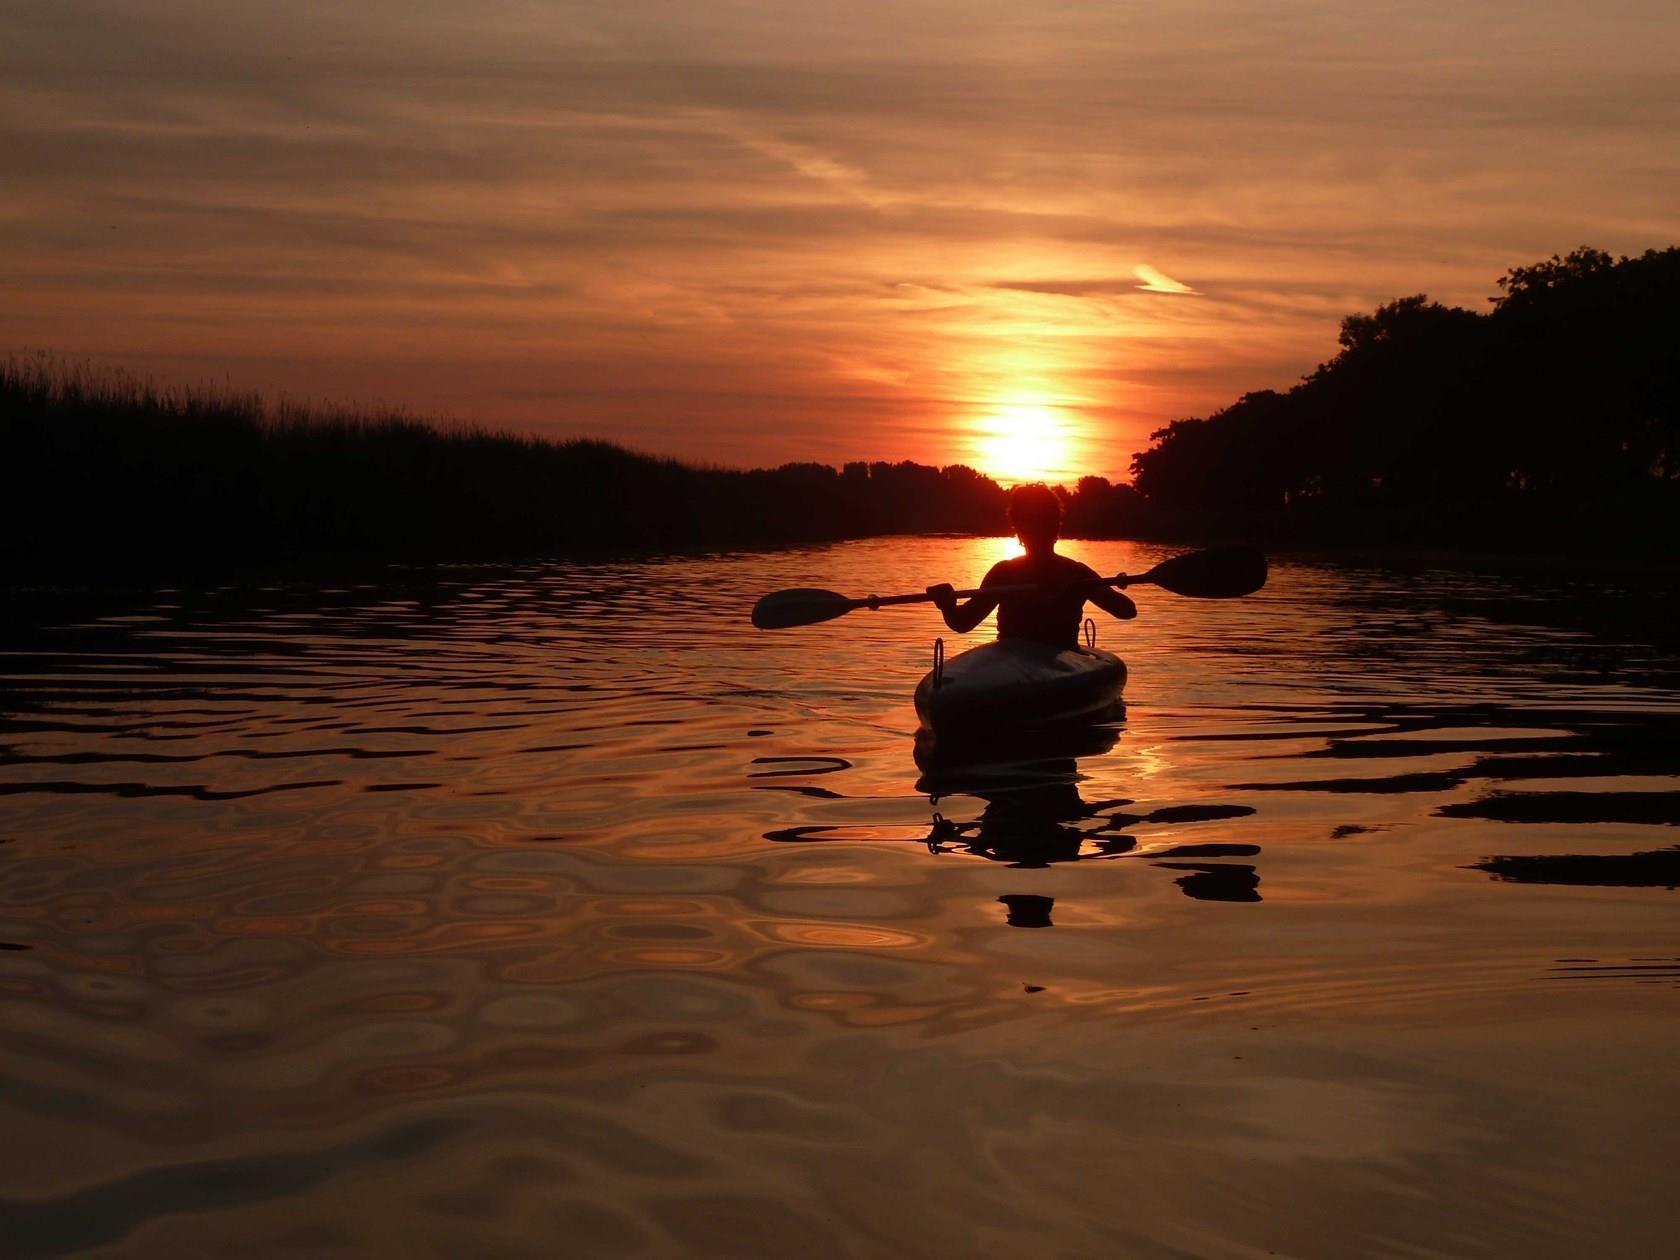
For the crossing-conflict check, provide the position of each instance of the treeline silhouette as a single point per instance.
(105, 476)
(1550, 422)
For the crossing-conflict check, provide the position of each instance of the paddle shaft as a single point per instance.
(1017, 588)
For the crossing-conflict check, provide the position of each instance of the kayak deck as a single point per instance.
(1013, 683)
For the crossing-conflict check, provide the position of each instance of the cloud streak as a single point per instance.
(1153, 281)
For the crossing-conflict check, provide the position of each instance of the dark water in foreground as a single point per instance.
(556, 911)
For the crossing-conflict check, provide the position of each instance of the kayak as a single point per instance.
(1012, 683)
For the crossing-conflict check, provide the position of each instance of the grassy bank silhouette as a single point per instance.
(108, 476)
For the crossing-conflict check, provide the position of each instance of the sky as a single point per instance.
(1016, 235)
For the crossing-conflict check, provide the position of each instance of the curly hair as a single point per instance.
(1035, 508)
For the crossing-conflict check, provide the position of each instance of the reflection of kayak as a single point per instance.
(1012, 758)
(1012, 684)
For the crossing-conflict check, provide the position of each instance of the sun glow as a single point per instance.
(1026, 441)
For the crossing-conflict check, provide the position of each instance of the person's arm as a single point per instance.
(1111, 601)
(964, 617)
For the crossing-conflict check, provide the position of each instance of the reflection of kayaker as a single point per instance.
(1033, 825)
(1039, 597)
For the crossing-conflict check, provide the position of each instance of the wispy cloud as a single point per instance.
(1158, 281)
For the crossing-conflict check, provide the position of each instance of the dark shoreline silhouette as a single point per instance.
(1551, 424)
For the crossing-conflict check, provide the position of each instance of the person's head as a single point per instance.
(1036, 514)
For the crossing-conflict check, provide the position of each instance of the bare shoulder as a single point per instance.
(1002, 573)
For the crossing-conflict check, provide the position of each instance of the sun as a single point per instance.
(1025, 441)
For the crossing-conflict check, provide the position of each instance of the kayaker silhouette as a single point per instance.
(1050, 614)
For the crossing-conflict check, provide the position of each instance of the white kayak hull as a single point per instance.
(1011, 684)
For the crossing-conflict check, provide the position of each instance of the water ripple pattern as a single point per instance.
(553, 909)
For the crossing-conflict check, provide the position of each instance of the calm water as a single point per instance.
(557, 911)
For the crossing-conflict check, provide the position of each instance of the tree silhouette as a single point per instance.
(1551, 420)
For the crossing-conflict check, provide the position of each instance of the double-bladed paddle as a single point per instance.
(1217, 573)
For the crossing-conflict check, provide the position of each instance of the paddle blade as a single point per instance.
(802, 606)
(1217, 573)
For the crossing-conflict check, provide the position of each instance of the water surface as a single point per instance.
(554, 910)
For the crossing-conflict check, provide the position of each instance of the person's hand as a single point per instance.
(944, 596)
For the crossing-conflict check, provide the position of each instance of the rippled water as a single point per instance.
(555, 910)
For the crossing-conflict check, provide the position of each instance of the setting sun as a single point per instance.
(1027, 441)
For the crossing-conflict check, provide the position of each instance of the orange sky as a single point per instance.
(1016, 235)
